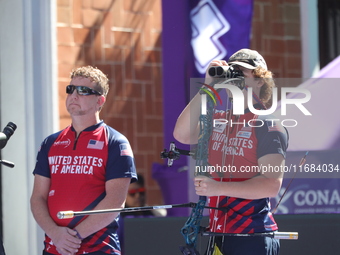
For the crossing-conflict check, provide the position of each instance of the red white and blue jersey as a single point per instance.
(78, 168)
(237, 146)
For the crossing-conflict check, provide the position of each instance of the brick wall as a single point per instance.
(276, 35)
(122, 37)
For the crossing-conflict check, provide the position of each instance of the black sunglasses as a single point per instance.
(81, 90)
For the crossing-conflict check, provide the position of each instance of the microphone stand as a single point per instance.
(7, 163)
(4, 137)
(2, 249)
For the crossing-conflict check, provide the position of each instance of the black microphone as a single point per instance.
(6, 134)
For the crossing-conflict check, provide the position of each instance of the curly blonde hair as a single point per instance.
(95, 75)
(267, 89)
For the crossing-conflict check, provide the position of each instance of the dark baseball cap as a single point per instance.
(247, 58)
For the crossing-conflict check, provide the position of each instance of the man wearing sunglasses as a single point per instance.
(86, 166)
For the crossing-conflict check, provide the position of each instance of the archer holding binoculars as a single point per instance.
(243, 195)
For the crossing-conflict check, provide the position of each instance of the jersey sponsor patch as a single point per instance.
(97, 145)
(243, 134)
(63, 143)
(125, 150)
(219, 128)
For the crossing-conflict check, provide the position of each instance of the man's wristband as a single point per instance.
(78, 235)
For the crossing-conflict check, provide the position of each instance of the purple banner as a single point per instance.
(194, 33)
(219, 29)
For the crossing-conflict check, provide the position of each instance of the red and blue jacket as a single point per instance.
(237, 145)
(78, 168)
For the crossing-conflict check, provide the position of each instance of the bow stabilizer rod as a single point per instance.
(276, 235)
(72, 214)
